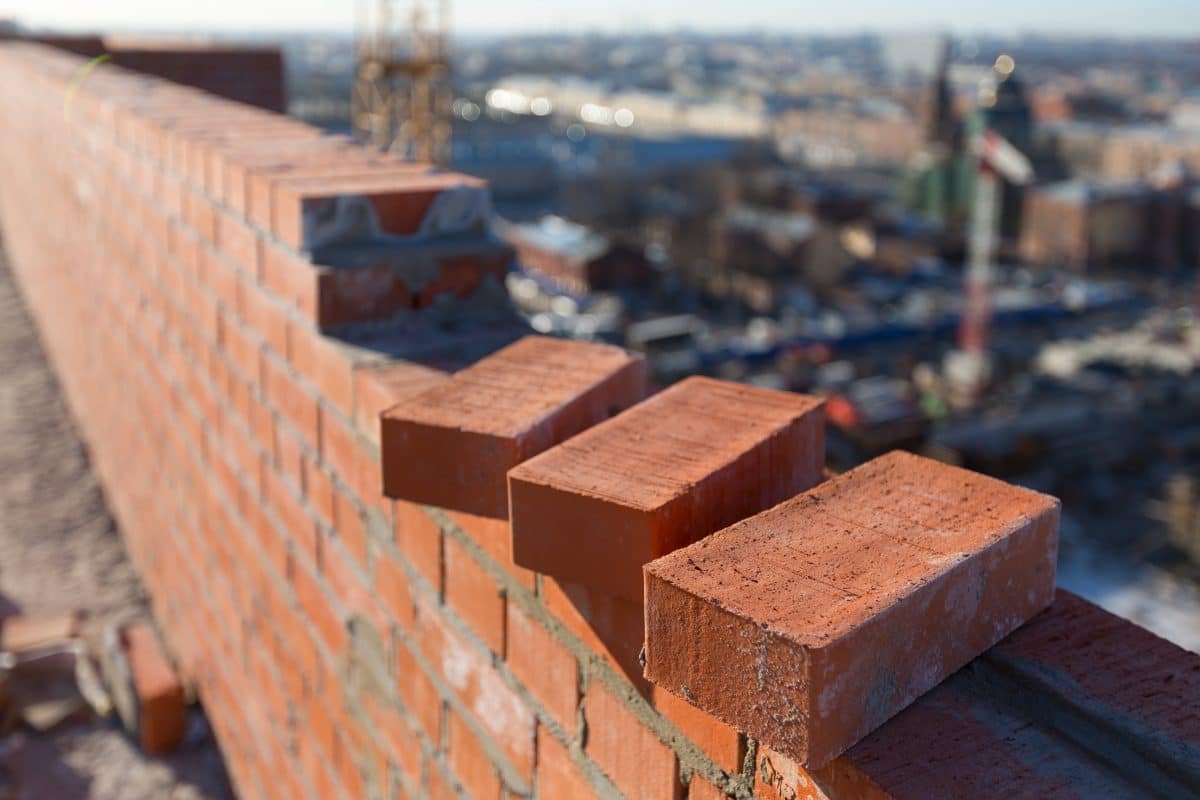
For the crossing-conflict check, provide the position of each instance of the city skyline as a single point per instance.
(1156, 18)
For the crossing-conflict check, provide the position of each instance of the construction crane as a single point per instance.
(402, 95)
(997, 159)
(969, 367)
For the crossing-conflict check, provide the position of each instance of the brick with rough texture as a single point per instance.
(1010, 725)
(698, 456)
(453, 444)
(811, 624)
(161, 714)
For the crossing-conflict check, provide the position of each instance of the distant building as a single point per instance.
(845, 134)
(575, 258)
(1079, 224)
(1135, 152)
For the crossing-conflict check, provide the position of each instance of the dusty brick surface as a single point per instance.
(811, 624)
(452, 445)
(689, 461)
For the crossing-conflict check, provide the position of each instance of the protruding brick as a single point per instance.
(452, 445)
(689, 461)
(160, 713)
(811, 624)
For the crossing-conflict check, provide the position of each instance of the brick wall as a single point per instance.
(231, 299)
(244, 73)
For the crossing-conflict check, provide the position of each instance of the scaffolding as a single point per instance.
(402, 94)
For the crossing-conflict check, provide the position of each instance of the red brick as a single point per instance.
(440, 787)
(316, 606)
(329, 167)
(350, 525)
(297, 523)
(350, 585)
(199, 215)
(492, 535)
(689, 461)
(557, 775)
(397, 736)
(240, 164)
(291, 278)
(393, 591)
(977, 729)
(495, 706)
(543, 666)
(318, 488)
(265, 316)
(161, 715)
(777, 777)
(420, 540)
(725, 746)
(288, 454)
(627, 751)
(897, 573)
(325, 364)
(244, 352)
(419, 695)
(293, 403)
(609, 625)
(474, 595)
(469, 761)
(497, 413)
(339, 447)
(238, 242)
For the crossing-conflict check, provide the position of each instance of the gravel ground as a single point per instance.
(60, 549)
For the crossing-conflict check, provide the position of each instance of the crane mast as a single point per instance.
(402, 94)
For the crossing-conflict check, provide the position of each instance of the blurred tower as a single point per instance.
(941, 127)
(402, 94)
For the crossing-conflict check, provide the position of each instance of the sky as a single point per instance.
(1175, 18)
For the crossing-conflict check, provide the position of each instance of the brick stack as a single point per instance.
(477, 634)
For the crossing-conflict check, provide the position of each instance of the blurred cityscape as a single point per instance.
(803, 212)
